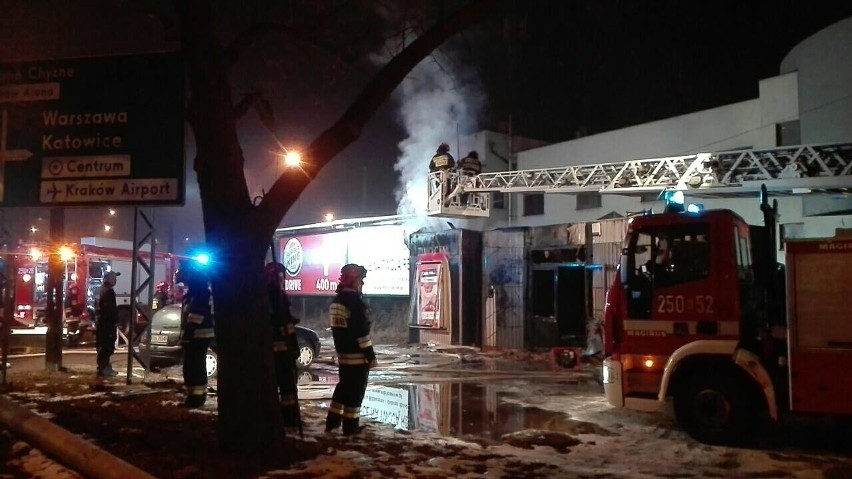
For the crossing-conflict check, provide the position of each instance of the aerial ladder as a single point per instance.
(799, 169)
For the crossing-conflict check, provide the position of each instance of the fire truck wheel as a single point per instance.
(717, 408)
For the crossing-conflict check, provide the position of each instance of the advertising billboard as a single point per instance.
(313, 262)
(382, 250)
(433, 290)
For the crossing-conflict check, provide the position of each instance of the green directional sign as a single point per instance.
(92, 131)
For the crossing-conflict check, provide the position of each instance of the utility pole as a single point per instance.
(54, 290)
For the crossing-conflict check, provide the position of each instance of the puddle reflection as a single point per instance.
(461, 410)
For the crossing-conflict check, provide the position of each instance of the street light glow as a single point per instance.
(107, 228)
(65, 253)
(329, 217)
(111, 212)
(292, 158)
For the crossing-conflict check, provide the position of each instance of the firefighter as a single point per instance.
(107, 322)
(161, 295)
(196, 331)
(443, 161)
(285, 347)
(355, 356)
(72, 301)
(469, 167)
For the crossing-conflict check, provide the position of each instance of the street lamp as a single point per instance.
(329, 217)
(292, 158)
(107, 228)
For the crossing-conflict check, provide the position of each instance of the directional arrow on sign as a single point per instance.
(8, 155)
(14, 155)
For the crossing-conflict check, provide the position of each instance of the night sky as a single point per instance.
(559, 69)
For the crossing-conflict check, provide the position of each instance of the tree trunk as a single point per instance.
(249, 411)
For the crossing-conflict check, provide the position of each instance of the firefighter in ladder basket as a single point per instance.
(196, 331)
(285, 346)
(469, 166)
(355, 356)
(443, 161)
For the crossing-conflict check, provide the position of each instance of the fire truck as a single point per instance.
(701, 312)
(86, 264)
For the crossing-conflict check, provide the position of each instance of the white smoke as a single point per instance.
(439, 102)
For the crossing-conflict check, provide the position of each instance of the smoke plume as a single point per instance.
(438, 103)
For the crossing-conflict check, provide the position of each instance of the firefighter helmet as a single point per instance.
(443, 148)
(274, 272)
(350, 274)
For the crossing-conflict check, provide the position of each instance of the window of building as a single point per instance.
(498, 201)
(788, 133)
(586, 201)
(533, 204)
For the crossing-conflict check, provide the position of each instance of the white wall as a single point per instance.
(824, 65)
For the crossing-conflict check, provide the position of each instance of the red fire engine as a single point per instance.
(86, 264)
(702, 313)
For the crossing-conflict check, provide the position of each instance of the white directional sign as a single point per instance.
(100, 191)
(85, 166)
(92, 131)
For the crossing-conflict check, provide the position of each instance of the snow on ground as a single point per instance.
(581, 436)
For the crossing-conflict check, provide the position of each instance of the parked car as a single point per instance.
(166, 351)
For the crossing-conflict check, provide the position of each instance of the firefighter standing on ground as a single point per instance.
(196, 332)
(469, 167)
(442, 160)
(107, 322)
(355, 355)
(284, 344)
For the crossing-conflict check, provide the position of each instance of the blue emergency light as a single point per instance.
(674, 201)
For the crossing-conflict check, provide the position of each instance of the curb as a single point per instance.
(82, 456)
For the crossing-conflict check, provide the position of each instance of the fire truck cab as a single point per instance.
(702, 313)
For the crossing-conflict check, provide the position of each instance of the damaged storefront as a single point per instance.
(531, 288)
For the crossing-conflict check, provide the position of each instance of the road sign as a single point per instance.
(92, 131)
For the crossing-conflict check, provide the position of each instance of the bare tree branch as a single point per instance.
(349, 126)
(250, 35)
(248, 101)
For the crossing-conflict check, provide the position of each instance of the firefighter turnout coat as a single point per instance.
(351, 330)
(196, 334)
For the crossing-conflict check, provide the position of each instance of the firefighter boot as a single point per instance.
(291, 416)
(332, 421)
(196, 396)
(351, 427)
